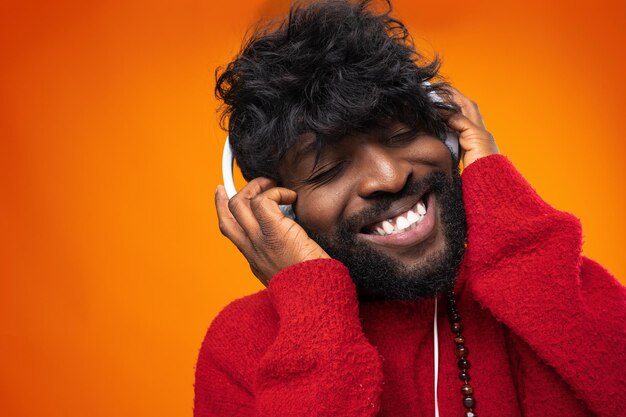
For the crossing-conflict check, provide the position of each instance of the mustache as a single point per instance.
(434, 181)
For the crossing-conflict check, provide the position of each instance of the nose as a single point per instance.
(382, 170)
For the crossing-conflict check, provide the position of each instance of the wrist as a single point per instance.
(317, 291)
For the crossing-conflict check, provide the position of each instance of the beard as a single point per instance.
(380, 277)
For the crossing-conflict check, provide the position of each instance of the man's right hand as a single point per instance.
(268, 239)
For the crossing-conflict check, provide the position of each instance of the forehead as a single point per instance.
(306, 146)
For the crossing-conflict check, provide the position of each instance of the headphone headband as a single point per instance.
(228, 161)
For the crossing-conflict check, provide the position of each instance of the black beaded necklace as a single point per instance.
(461, 352)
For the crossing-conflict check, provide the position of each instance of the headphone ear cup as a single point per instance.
(452, 138)
(288, 211)
(228, 160)
(452, 142)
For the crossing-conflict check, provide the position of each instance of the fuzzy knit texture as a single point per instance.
(544, 327)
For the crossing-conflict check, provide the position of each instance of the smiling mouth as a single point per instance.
(405, 229)
(400, 223)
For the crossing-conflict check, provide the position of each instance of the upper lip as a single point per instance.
(397, 207)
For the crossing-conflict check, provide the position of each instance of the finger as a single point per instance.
(281, 195)
(468, 107)
(461, 123)
(239, 205)
(227, 223)
(265, 207)
(475, 141)
(256, 187)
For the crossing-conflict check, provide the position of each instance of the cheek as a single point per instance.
(437, 152)
(319, 210)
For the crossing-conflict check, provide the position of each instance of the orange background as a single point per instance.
(111, 263)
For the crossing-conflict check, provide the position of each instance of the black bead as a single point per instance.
(469, 402)
(463, 364)
(461, 351)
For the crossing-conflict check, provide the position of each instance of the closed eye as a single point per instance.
(402, 137)
(324, 174)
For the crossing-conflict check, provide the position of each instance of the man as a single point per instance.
(395, 291)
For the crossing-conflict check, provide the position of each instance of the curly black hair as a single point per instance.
(331, 67)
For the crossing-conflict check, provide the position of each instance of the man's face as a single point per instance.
(387, 203)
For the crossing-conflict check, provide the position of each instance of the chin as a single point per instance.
(379, 277)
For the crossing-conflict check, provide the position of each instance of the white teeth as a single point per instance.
(402, 223)
(412, 217)
(388, 228)
(421, 208)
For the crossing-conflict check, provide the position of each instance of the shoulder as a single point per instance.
(239, 336)
(600, 288)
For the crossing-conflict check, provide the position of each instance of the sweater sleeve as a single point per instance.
(220, 393)
(524, 260)
(320, 364)
(317, 362)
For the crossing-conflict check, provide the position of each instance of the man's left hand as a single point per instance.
(476, 142)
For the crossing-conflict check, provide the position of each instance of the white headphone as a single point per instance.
(451, 140)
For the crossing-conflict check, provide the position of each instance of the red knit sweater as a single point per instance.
(544, 327)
